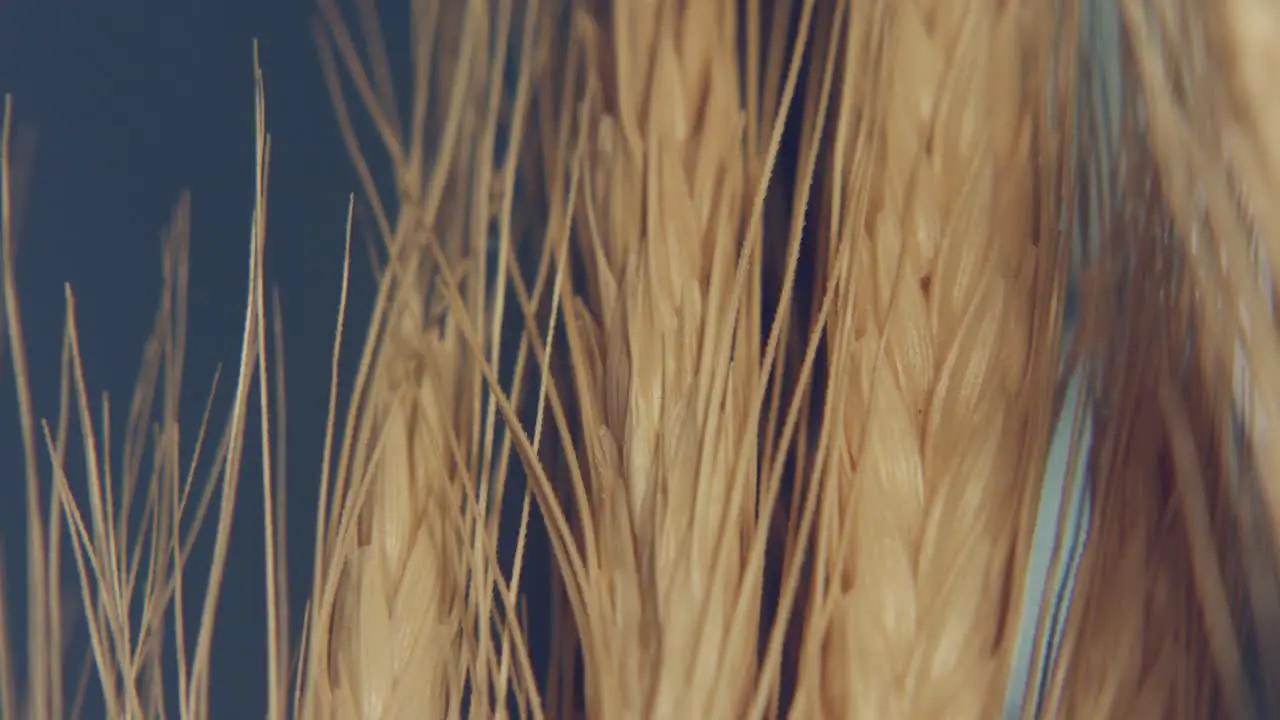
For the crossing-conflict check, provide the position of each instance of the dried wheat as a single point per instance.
(132, 524)
(931, 359)
(662, 407)
(395, 631)
(665, 366)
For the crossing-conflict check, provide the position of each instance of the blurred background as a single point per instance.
(126, 104)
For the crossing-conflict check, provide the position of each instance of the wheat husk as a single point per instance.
(667, 439)
(660, 467)
(932, 339)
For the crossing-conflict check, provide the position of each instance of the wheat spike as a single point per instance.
(403, 617)
(932, 357)
(668, 441)
(399, 614)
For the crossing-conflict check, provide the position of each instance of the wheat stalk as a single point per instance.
(932, 342)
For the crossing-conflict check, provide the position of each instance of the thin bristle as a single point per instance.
(131, 577)
(42, 683)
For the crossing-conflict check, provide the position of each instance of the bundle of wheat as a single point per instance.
(897, 362)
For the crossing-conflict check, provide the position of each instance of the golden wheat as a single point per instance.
(664, 572)
(402, 624)
(932, 351)
(678, 387)
(667, 436)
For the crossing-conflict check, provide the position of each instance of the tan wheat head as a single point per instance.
(404, 620)
(933, 222)
(667, 441)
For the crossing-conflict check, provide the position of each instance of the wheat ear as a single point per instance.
(404, 617)
(933, 344)
(665, 366)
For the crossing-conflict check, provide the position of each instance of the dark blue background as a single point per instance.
(133, 101)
